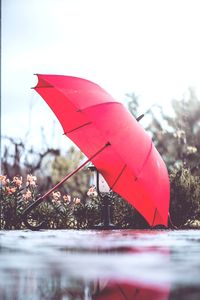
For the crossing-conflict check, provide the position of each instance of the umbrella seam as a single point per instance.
(78, 109)
(99, 104)
(88, 123)
(154, 217)
(118, 177)
(43, 86)
(145, 161)
(61, 91)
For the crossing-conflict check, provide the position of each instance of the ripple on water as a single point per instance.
(159, 260)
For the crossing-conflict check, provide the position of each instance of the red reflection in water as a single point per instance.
(114, 290)
(128, 291)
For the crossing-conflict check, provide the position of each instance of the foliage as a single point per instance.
(14, 199)
(185, 196)
(62, 165)
(61, 211)
(49, 165)
(93, 209)
(57, 211)
(177, 138)
(17, 158)
(125, 215)
(133, 103)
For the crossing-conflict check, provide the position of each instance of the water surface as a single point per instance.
(118, 264)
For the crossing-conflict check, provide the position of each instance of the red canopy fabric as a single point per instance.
(131, 165)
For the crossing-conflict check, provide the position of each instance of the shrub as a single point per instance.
(125, 215)
(185, 196)
(14, 199)
(16, 196)
(61, 211)
(64, 211)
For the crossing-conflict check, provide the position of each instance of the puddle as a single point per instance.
(118, 264)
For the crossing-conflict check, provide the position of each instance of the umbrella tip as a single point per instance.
(107, 144)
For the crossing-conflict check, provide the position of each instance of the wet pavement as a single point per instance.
(118, 264)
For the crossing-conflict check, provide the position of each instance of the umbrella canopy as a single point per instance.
(130, 164)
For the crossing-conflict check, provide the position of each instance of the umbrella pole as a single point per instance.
(105, 209)
(26, 212)
(106, 214)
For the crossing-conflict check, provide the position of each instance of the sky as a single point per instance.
(147, 47)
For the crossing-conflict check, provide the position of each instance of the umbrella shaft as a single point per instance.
(75, 171)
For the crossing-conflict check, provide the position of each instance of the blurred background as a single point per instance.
(150, 48)
(144, 53)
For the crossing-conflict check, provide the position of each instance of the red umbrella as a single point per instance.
(126, 158)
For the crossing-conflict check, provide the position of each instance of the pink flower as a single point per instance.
(92, 192)
(27, 195)
(17, 181)
(31, 180)
(56, 195)
(67, 198)
(4, 180)
(10, 190)
(77, 200)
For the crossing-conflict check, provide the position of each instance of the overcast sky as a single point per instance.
(149, 47)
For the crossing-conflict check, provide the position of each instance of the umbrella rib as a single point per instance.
(43, 86)
(118, 177)
(154, 216)
(99, 104)
(88, 123)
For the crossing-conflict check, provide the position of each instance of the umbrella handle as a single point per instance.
(27, 211)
